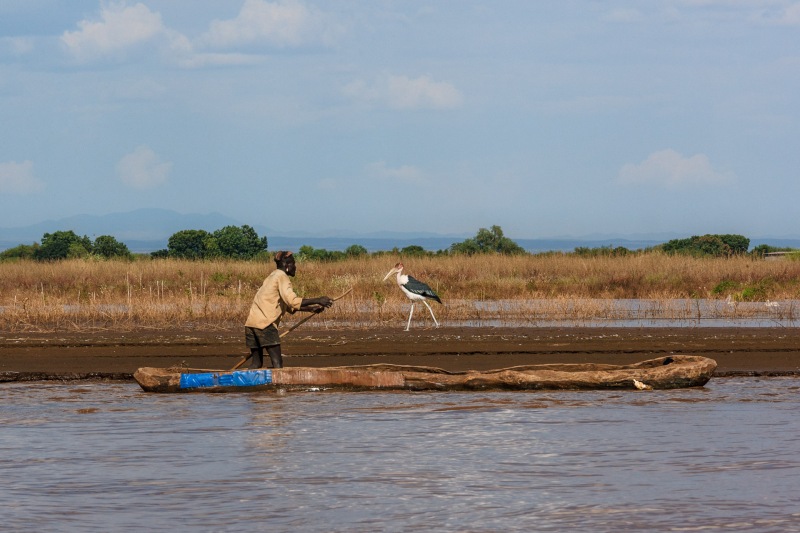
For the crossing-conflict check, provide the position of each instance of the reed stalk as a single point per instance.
(86, 295)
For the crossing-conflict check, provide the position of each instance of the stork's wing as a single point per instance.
(417, 287)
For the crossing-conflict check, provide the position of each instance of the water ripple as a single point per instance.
(102, 457)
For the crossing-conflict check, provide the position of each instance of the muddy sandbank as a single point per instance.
(109, 355)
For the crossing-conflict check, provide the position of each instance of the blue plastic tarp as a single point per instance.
(245, 378)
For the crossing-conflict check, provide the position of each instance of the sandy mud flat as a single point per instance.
(109, 355)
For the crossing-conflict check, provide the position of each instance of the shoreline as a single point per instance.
(71, 356)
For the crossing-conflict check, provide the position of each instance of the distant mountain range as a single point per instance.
(141, 224)
(147, 230)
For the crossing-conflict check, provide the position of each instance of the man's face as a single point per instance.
(290, 266)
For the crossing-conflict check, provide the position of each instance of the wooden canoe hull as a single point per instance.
(676, 371)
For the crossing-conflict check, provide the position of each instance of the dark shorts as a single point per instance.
(261, 338)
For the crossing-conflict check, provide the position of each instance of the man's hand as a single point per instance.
(316, 305)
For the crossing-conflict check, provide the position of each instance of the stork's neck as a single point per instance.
(402, 279)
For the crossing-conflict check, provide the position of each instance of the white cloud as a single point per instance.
(668, 168)
(121, 27)
(406, 93)
(200, 60)
(18, 178)
(404, 173)
(771, 12)
(402, 92)
(327, 184)
(287, 23)
(623, 15)
(17, 46)
(143, 169)
(734, 3)
(789, 16)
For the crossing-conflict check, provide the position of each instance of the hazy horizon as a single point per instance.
(128, 228)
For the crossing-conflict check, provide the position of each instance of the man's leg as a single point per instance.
(257, 360)
(275, 356)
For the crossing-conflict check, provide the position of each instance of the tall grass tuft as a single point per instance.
(85, 295)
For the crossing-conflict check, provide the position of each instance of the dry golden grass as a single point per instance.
(161, 294)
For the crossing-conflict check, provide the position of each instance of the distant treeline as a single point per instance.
(697, 246)
(244, 243)
(229, 242)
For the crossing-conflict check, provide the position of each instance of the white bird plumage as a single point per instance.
(415, 290)
(641, 386)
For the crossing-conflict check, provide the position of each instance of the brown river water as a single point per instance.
(104, 456)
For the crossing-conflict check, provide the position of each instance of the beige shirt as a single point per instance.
(274, 298)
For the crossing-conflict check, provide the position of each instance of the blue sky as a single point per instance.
(549, 119)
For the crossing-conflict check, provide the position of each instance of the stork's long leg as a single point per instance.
(408, 326)
(431, 310)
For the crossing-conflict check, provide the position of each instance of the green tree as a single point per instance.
(488, 241)
(239, 243)
(78, 251)
(355, 250)
(713, 245)
(602, 251)
(62, 244)
(762, 249)
(738, 244)
(108, 247)
(677, 246)
(192, 244)
(413, 250)
(309, 253)
(22, 251)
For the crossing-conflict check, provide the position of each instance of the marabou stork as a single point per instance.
(415, 290)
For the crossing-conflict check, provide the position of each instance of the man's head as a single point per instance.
(284, 260)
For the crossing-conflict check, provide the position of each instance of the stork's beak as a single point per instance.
(392, 271)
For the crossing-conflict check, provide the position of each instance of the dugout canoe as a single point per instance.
(670, 372)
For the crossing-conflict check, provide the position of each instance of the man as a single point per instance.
(275, 298)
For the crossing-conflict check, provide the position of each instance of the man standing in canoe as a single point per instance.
(275, 298)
